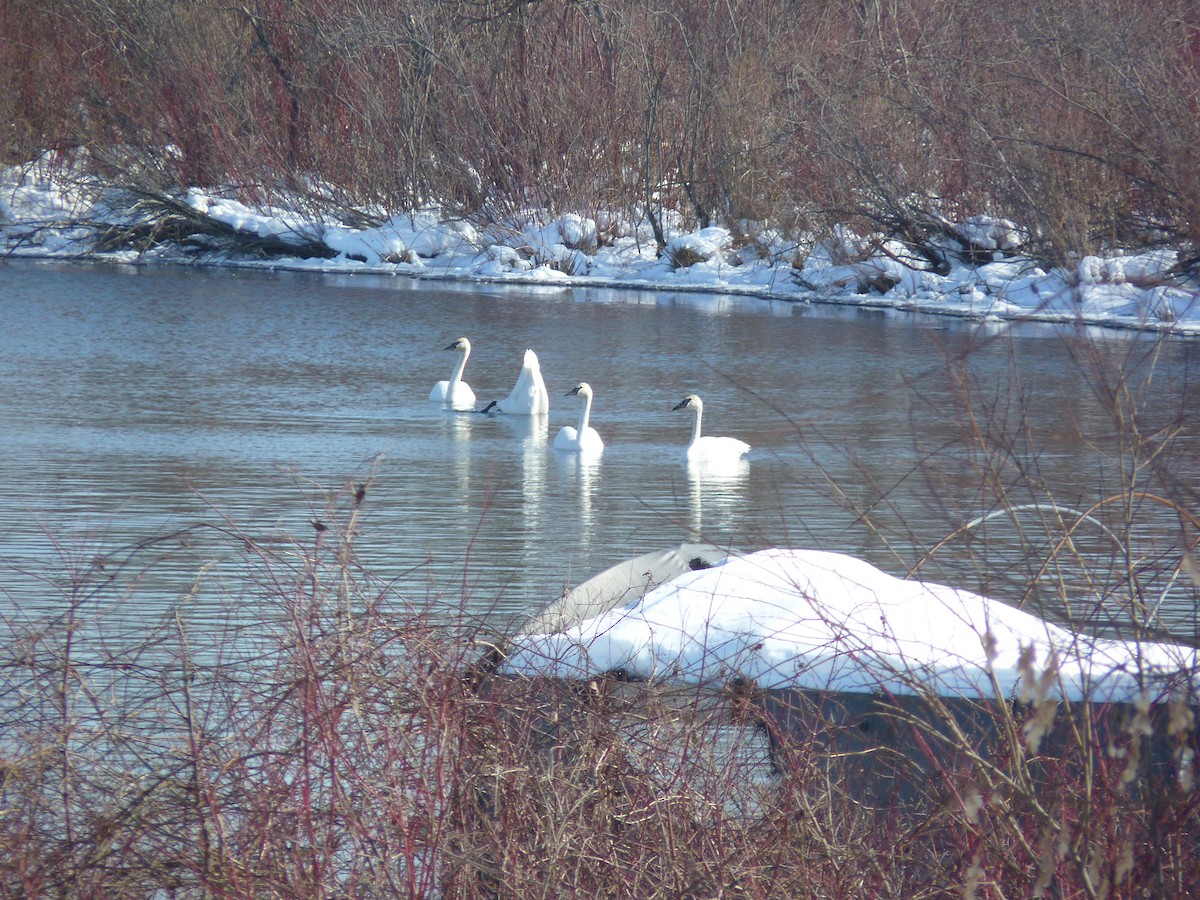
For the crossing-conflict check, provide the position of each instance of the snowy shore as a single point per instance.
(987, 275)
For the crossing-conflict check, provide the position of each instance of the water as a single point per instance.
(139, 402)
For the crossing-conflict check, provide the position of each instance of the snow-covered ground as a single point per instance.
(40, 216)
(808, 619)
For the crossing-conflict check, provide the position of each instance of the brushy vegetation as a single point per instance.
(1080, 120)
(330, 741)
(347, 748)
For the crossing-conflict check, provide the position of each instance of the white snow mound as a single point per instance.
(810, 619)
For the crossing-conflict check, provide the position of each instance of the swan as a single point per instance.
(455, 393)
(528, 397)
(707, 448)
(584, 439)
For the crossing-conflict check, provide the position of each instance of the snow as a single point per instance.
(809, 619)
(40, 211)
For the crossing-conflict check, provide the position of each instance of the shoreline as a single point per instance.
(1126, 325)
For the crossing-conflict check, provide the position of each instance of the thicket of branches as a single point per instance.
(338, 744)
(1080, 120)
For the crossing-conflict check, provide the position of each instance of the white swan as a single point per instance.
(707, 448)
(584, 439)
(455, 393)
(528, 397)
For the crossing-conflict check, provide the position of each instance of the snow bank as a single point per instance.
(39, 212)
(807, 619)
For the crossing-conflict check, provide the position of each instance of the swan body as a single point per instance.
(583, 439)
(528, 396)
(455, 393)
(709, 449)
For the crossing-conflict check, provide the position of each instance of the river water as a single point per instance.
(142, 402)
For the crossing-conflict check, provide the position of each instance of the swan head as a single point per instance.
(691, 401)
(462, 345)
(583, 389)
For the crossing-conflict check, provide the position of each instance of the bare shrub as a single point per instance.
(1076, 121)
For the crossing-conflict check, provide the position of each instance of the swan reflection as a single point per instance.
(584, 470)
(532, 432)
(457, 430)
(717, 489)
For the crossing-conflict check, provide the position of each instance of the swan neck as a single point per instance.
(696, 425)
(456, 375)
(585, 414)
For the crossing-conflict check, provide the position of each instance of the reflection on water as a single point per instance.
(142, 402)
(533, 432)
(580, 472)
(717, 488)
(457, 447)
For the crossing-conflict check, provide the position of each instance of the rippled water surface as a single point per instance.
(140, 402)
